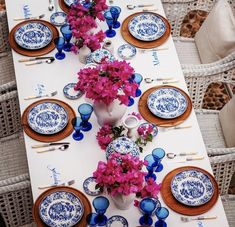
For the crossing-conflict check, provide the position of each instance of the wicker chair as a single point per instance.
(15, 190)
(4, 31)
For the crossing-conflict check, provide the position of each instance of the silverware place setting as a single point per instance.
(142, 51)
(173, 155)
(188, 219)
(48, 61)
(138, 6)
(35, 59)
(49, 144)
(62, 148)
(188, 159)
(51, 5)
(149, 80)
(68, 183)
(29, 18)
(41, 96)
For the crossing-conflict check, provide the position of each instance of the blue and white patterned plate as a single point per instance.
(123, 145)
(70, 93)
(117, 220)
(147, 26)
(100, 54)
(192, 187)
(33, 35)
(47, 118)
(146, 125)
(58, 18)
(126, 51)
(167, 103)
(70, 2)
(89, 187)
(61, 209)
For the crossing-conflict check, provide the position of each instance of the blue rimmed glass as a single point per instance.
(147, 207)
(76, 122)
(101, 204)
(151, 166)
(67, 34)
(91, 219)
(59, 43)
(131, 101)
(115, 12)
(85, 110)
(162, 213)
(158, 155)
(138, 79)
(109, 20)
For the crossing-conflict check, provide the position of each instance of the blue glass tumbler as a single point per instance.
(59, 43)
(158, 155)
(151, 166)
(85, 110)
(138, 79)
(115, 12)
(162, 213)
(76, 122)
(109, 20)
(91, 219)
(67, 34)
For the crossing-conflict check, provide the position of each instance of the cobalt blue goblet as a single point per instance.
(109, 20)
(115, 12)
(158, 155)
(147, 207)
(91, 219)
(131, 101)
(162, 213)
(85, 111)
(59, 43)
(151, 166)
(101, 204)
(76, 122)
(138, 79)
(67, 34)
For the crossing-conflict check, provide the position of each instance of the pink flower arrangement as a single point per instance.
(81, 18)
(107, 82)
(120, 174)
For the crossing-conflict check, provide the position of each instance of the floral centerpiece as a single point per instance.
(82, 19)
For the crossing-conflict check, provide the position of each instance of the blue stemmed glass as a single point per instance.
(138, 79)
(131, 101)
(76, 122)
(147, 206)
(158, 155)
(59, 43)
(67, 34)
(101, 204)
(115, 12)
(109, 20)
(85, 111)
(162, 213)
(91, 219)
(151, 166)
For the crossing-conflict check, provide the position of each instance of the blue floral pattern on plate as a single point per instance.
(70, 93)
(123, 145)
(61, 209)
(58, 18)
(33, 35)
(87, 187)
(126, 51)
(70, 2)
(192, 187)
(167, 103)
(117, 218)
(47, 118)
(147, 26)
(100, 54)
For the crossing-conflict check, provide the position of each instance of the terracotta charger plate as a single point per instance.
(33, 53)
(82, 197)
(148, 116)
(144, 44)
(49, 138)
(178, 207)
(63, 6)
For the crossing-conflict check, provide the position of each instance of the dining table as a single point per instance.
(80, 160)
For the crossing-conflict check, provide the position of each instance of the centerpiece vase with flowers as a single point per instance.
(109, 85)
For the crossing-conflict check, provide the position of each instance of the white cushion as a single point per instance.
(227, 121)
(216, 37)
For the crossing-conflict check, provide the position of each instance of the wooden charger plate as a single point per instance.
(49, 138)
(82, 197)
(33, 53)
(63, 6)
(144, 44)
(178, 207)
(150, 117)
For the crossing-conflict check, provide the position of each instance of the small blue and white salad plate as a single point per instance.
(89, 187)
(70, 2)
(101, 54)
(33, 35)
(58, 18)
(70, 93)
(192, 187)
(146, 125)
(61, 209)
(147, 27)
(47, 118)
(126, 51)
(167, 103)
(117, 220)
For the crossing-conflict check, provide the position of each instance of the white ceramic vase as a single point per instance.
(83, 53)
(123, 202)
(109, 114)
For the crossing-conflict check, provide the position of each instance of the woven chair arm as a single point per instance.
(220, 151)
(206, 111)
(177, 1)
(222, 158)
(15, 187)
(10, 86)
(8, 95)
(12, 137)
(14, 180)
